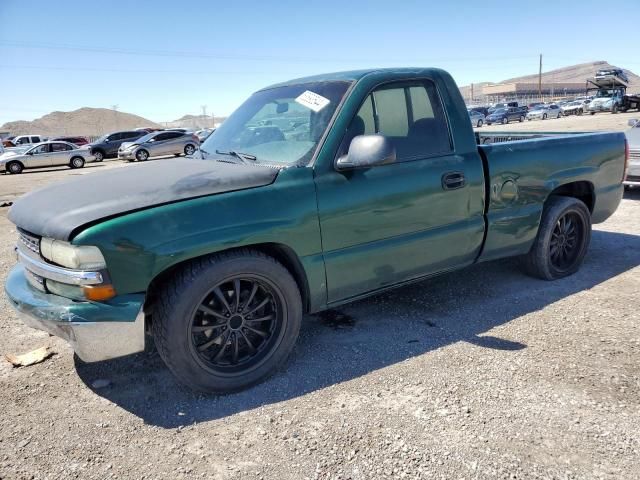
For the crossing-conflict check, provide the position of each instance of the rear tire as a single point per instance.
(98, 155)
(189, 149)
(562, 241)
(479, 123)
(505, 120)
(15, 167)
(544, 116)
(521, 119)
(217, 337)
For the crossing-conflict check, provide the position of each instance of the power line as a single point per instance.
(240, 56)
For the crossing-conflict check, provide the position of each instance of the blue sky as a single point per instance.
(163, 59)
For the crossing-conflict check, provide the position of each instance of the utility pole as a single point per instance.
(115, 114)
(540, 79)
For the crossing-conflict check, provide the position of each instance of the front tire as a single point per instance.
(142, 155)
(227, 321)
(76, 162)
(479, 123)
(15, 167)
(521, 119)
(544, 116)
(505, 120)
(562, 241)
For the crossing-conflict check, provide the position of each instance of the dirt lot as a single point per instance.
(484, 373)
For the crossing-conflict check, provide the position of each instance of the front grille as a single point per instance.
(30, 241)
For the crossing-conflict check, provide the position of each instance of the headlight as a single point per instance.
(77, 257)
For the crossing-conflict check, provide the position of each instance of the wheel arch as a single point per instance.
(15, 161)
(582, 190)
(280, 252)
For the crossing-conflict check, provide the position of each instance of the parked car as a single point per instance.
(633, 139)
(615, 73)
(505, 115)
(107, 146)
(483, 110)
(542, 112)
(46, 154)
(576, 107)
(22, 140)
(477, 119)
(204, 134)
(75, 140)
(148, 129)
(220, 257)
(167, 142)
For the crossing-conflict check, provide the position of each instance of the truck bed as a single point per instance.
(523, 169)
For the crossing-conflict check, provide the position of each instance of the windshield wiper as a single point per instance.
(243, 157)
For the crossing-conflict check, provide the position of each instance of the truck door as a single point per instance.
(401, 221)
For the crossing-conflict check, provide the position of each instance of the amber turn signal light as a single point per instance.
(99, 293)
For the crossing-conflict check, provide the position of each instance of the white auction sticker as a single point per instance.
(313, 101)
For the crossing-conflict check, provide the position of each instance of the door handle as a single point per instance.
(453, 180)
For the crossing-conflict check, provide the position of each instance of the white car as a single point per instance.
(45, 154)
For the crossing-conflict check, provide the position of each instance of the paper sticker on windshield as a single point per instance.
(313, 101)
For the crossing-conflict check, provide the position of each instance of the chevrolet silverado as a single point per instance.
(313, 193)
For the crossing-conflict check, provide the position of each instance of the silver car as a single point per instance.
(477, 118)
(542, 112)
(154, 144)
(45, 154)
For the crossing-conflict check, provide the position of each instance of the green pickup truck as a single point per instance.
(314, 193)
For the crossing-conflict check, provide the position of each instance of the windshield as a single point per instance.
(604, 93)
(279, 125)
(101, 139)
(500, 111)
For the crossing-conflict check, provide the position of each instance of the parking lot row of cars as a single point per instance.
(507, 112)
(35, 151)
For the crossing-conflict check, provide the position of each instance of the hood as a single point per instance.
(58, 210)
(124, 145)
(601, 101)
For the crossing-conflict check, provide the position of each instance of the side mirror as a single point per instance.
(633, 122)
(367, 151)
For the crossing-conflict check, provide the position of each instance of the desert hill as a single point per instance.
(572, 74)
(84, 121)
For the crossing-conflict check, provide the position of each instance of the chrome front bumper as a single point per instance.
(96, 331)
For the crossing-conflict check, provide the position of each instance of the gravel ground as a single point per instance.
(484, 373)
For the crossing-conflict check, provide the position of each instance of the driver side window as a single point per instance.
(40, 149)
(410, 114)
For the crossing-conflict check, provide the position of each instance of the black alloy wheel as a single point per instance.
(564, 246)
(562, 241)
(236, 325)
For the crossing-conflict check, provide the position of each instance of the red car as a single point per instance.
(75, 140)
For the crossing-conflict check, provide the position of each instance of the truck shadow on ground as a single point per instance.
(369, 335)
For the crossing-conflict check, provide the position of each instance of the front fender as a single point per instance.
(139, 246)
